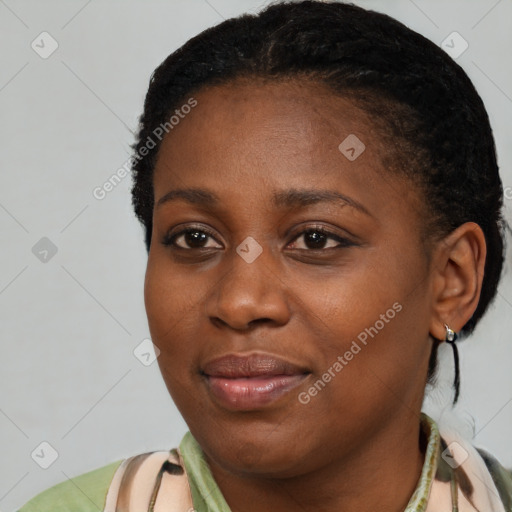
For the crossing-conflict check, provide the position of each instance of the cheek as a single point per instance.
(174, 303)
(375, 320)
(158, 296)
(341, 307)
(166, 308)
(169, 297)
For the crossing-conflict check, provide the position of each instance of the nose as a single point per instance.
(249, 294)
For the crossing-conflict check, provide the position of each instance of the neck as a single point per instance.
(380, 475)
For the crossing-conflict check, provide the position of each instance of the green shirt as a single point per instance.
(87, 492)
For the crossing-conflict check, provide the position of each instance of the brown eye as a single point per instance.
(317, 238)
(195, 238)
(191, 238)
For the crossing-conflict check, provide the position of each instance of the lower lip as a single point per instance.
(252, 393)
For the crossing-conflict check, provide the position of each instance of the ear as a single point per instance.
(458, 270)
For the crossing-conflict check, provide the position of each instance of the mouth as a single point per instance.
(250, 382)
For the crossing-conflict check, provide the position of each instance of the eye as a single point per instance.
(314, 238)
(191, 238)
(319, 238)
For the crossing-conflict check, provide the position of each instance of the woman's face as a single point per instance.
(317, 306)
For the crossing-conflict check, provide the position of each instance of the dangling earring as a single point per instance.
(451, 338)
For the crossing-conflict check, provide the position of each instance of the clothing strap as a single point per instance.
(151, 482)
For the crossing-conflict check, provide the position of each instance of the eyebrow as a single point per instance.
(288, 199)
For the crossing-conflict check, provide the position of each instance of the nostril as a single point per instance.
(218, 322)
(258, 321)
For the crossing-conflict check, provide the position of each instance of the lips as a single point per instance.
(248, 382)
(235, 366)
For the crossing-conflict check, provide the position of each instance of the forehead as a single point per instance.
(254, 137)
(272, 108)
(254, 121)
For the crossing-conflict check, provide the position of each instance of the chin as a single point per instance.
(256, 452)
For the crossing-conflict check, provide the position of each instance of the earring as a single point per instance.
(451, 338)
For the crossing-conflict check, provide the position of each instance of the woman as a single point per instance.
(322, 206)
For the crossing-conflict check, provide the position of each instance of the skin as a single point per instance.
(356, 444)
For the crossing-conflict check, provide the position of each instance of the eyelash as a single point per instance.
(169, 239)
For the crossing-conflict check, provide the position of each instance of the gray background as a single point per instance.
(69, 326)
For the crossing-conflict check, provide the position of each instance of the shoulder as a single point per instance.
(83, 493)
(480, 474)
(502, 477)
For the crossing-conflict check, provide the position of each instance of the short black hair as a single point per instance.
(420, 98)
